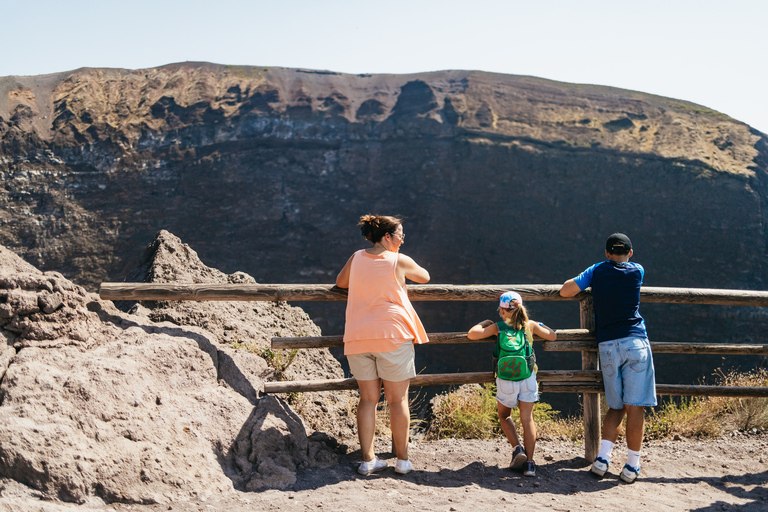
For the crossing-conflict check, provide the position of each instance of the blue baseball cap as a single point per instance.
(508, 299)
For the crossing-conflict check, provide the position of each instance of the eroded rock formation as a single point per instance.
(101, 404)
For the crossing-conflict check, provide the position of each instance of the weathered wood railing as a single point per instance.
(588, 380)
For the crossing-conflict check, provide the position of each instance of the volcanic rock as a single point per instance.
(103, 406)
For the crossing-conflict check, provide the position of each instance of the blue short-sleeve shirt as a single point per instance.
(616, 297)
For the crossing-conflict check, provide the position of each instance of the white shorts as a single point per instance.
(508, 392)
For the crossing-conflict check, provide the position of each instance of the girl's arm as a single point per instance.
(484, 329)
(542, 330)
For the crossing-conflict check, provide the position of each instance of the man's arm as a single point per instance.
(569, 288)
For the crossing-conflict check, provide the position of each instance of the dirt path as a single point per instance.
(726, 474)
(452, 475)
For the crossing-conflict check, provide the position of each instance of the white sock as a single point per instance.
(606, 447)
(633, 458)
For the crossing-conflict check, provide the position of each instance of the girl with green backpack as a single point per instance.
(515, 368)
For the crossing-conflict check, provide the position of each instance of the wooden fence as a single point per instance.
(587, 381)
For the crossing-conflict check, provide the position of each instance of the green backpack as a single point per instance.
(515, 356)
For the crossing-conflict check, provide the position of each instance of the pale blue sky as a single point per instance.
(710, 52)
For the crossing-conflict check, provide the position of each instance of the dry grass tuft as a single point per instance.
(711, 416)
(469, 412)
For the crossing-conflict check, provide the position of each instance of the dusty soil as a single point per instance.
(452, 475)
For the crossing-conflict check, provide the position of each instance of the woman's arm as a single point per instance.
(342, 280)
(409, 269)
(484, 329)
(542, 331)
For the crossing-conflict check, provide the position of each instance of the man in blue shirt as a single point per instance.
(625, 353)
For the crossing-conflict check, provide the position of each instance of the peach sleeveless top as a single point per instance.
(380, 316)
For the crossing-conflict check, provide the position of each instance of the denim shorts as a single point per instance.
(508, 392)
(628, 374)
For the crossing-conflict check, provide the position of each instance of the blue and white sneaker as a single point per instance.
(629, 474)
(519, 457)
(600, 466)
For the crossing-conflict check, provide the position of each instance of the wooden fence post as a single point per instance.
(589, 361)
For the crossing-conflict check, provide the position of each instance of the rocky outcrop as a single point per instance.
(250, 327)
(98, 405)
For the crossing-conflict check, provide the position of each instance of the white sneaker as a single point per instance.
(403, 467)
(629, 474)
(371, 466)
(600, 466)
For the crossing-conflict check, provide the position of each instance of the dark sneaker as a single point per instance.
(600, 466)
(629, 474)
(529, 468)
(518, 458)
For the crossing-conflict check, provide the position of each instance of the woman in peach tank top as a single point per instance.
(381, 328)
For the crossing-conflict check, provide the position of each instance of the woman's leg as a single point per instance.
(529, 427)
(396, 394)
(507, 424)
(370, 392)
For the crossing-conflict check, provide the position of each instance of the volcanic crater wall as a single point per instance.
(501, 178)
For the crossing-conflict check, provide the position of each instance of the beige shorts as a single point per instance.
(395, 366)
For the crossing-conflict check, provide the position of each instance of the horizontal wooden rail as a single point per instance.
(568, 340)
(438, 338)
(553, 381)
(435, 379)
(416, 292)
(663, 347)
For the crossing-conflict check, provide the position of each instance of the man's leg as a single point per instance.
(612, 424)
(635, 426)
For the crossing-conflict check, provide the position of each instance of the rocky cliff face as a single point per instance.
(502, 179)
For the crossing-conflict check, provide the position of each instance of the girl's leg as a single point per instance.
(370, 391)
(507, 424)
(396, 394)
(529, 427)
